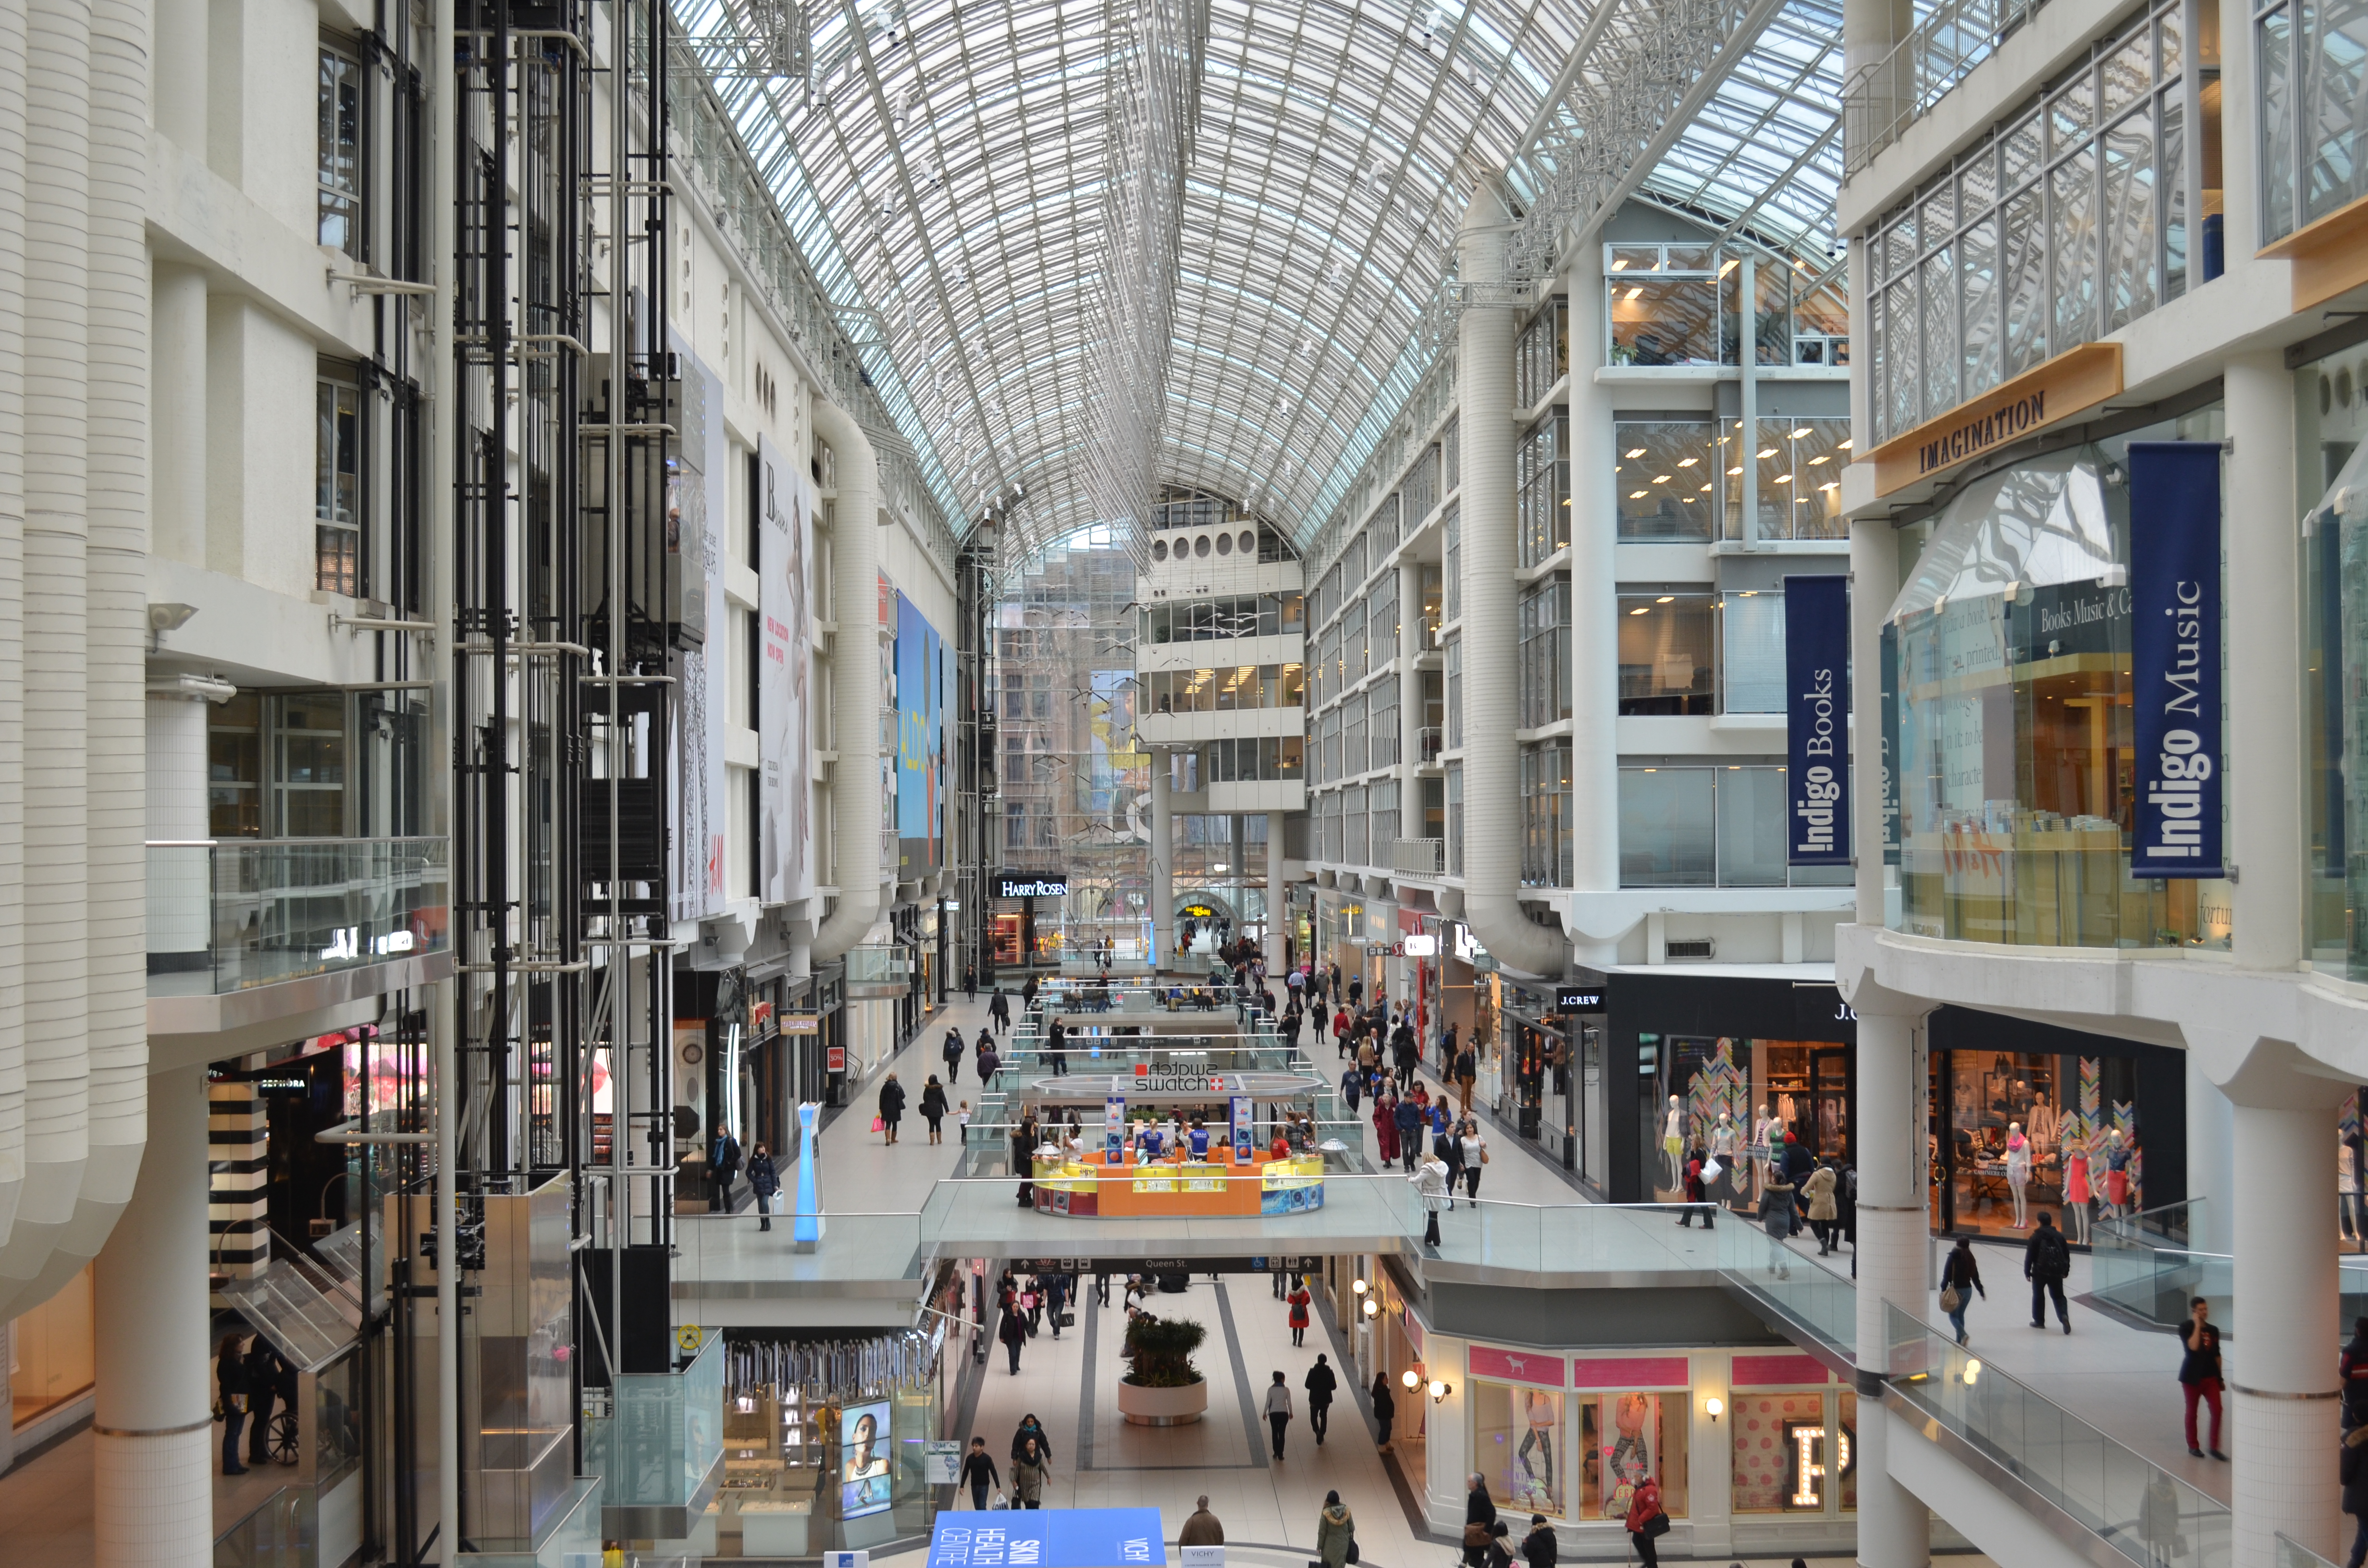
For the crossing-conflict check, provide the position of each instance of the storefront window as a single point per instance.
(2018, 1135)
(1737, 1100)
(54, 1353)
(1623, 1438)
(1516, 1436)
(2330, 420)
(2016, 771)
(1796, 1452)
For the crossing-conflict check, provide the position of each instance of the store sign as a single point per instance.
(1890, 656)
(1239, 1109)
(2077, 379)
(1816, 721)
(1168, 1078)
(834, 1059)
(1114, 1129)
(1812, 1466)
(1049, 1537)
(1517, 1365)
(1019, 885)
(799, 1023)
(1419, 947)
(1579, 999)
(2175, 657)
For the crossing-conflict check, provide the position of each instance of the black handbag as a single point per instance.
(1068, 1320)
(1659, 1525)
(1352, 1548)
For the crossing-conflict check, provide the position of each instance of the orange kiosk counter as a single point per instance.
(1088, 1185)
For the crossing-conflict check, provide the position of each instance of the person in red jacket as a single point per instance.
(1298, 1298)
(1644, 1508)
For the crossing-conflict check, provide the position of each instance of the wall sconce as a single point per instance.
(1412, 1378)
(1439, 1391)
(1372, 1309)
(1714, 1407)
(1359, 1287)
(1971, 1374)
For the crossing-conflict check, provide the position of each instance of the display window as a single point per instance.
(1516, 1444)
(2009, 659)
(1737, 1100)
(1795, 1452)
(2331, 431)
(2016, 1134)
(1623, 1438)
(53, 1354)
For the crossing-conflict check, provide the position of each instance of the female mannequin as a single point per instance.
(2017, 1172)
(1767, 1140)
(2347, 1188)
(2117, 1175)
(1673, 1144)
(2075, 1193)
(1723, 1139)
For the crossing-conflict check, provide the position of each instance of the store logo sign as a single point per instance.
(1031, 887)
(1817, 723)
(2175, 657)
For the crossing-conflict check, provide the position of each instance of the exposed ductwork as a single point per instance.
(12, 611)
(854, 688)
(1491, 795)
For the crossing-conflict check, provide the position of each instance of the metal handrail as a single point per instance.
(1884, 99)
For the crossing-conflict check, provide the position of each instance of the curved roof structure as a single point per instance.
(968, 182)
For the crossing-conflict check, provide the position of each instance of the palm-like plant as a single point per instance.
(1160, 1351)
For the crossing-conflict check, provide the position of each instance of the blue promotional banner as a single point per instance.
(1114, 1129)
(1817, 721)
(2175, 657)
(1241, 1106)
(1049, 1538)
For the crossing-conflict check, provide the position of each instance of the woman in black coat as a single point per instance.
(230, 1370)
(1385, 1405)
(933, 1107)
(891, 1106)
(764, 1180)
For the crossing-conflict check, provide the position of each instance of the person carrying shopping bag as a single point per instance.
(1336, 1533)
(1648, 1523)
(1431, 1183)
(1961, 1278)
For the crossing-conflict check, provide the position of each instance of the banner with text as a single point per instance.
(2175, 657)
(782, 511)
(1817, 721)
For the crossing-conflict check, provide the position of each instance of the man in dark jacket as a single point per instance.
(953, 1051)
(1013, 1332)
(263, 1366)
(2045, 1263)
(978, 1472)
(764, 1180)
(1479, 1514)
(1464, 1065)
(1539, 1548)
(1410, 1132)
(727, 1166)
(1320, 1384)
(998, 1010)
(1798, 1164)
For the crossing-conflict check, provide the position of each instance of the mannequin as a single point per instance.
(2017, 1172)
(2117, 1175)
(1767, 1140)
(2075, 1193)
(1724, 1137)
(1673, 1144)
(2347, 1188)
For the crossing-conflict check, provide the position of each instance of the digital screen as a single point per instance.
(864, 1483)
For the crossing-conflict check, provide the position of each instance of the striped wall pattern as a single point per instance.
(238, 1209)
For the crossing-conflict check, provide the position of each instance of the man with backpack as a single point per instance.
(2046, 1260)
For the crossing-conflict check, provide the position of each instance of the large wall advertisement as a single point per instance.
(697, 505)
(920, 700)
(785, 517)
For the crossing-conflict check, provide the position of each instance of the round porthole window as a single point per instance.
(1224, 544)
(1201, 545)
(1159, 550)
(1247, 544)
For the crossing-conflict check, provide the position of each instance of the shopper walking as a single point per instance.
(933, 1110)
(2199, 1371)
(1299, 1298)
(1030, 1430)
(230, 1376)
(1430, 1184)
(1465, 1064)
(953, 1053)
(1646, 1522)
(978, 1472)
(1277, 1410)
(1479, 1518)
(2351, 1368)
(891, 1107)
(1409, 1118)
(998, 1011)
(1961, 1280)
(1475, 1150)
(725, 1156)
(2045, 1262)
(1447, 1145)
(1028, 1473)
(990, 1062)
(1321, 1383)
(1697, 1194)
(1540, 1546)
(1057, 1288)
(1385, 1126)
(1776, 1216)
(263, 1366)
(2352, 1468)
(1202, 1528)
(1385, 1408)
(969, 983)
(1818, 1191)
(1336, 1533)
(1013, 1332)
(765, 1180)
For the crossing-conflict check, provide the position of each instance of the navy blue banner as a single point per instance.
(1891, 761)
(1817, 721)
(2175, 657)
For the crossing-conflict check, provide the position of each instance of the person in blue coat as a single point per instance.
(1410, 1132)
(764, 1181)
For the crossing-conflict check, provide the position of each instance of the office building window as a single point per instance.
(1669, 477)
(337, 482)
(1751, 650)
(1545, 815)
(1541, 477)
(1545, 682)
(340, 160)
(1664, 652)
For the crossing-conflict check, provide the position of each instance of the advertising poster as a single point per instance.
(784, 517)
(697, 509)
(920, 711)
(2175, 657)
(1245, 1139)
(865, 1483)
(1816, 722)
(1114, 1129)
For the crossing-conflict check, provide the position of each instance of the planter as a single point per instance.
(1163, 1407)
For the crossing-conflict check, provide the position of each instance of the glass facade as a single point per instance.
(1709, 825)
(2312, 95)
(2016, 1134)
(1233, 689)
(1541, 475)
(1544, 691)
(2011, 668)
(1737, 1098)
(1669, 477)
(2331, 429)
(1665, 652)
(1545, 815)
(1623, 1438)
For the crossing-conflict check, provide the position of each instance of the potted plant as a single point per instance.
(1162, 1388)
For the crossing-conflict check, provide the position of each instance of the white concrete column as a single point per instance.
(2268, 836)
(1594, 604)
(1277, 907)
(1893, 1529)
(153, 1455)
(2211, 1163)
(1163, 863)
(1874, 583)
(179, 913)
(2279, 1363)
(177, 396)
(1409, 649)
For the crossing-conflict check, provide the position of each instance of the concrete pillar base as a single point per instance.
(1894, 1527)
(155, 1497)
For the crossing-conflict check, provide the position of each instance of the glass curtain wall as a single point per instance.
(1075, 790)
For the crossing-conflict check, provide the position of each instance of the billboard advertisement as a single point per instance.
(698, 506)
(865, 1483)
(920, 701)
(784, 513)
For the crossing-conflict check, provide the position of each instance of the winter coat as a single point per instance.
(1479, 1508)
(1014, 1329)
(2045, 1255)
(1299, 1300)
(1019, 1441)
(1320, 1384)
(1776, 1206)
(762, 1175)
(1336, 1531)
(1647, 1504)
(1409, 1118)
(891, 1101)
(1201, 1530)
(1028, 1479)
(1467, 1065)
(933, 1101)
(2353, 1470)
(1430, 1179)
(1540, 1546)
(1818, 1190)
(1959, 1270)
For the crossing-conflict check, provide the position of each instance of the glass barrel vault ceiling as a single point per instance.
(945, 168)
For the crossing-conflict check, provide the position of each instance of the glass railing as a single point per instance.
(282, 1531)
(2292, 1553)
(1882, 100)
(228, 914)
(879, 966)
(2132, 1505)
(2158, 1283)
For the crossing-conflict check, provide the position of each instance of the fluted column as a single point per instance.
(12, 611)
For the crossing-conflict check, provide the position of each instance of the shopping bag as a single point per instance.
(879, 1124)
(1711, 1170)
(998, 1501)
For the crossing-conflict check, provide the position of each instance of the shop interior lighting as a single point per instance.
(1714, 1407)
(1665, 599)
(1633, 452)
(1412, 1378)
(1439, 1391)
(1800, 432)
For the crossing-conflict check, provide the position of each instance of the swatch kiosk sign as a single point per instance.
(2175, 657)
(1817, 721)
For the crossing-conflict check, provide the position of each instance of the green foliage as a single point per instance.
(1160, 1351)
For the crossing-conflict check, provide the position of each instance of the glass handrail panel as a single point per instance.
(229, 915)
(667, 1432)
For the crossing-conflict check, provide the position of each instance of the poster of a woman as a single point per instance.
(864, 1481)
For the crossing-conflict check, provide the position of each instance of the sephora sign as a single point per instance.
(2175, 657)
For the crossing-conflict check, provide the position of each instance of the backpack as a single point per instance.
(2052, 1259)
